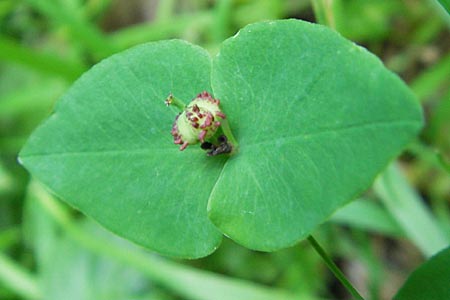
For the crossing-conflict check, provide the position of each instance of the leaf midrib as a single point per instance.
(349, 127)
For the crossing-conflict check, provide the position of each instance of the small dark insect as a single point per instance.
(206, 146)
(222, 148)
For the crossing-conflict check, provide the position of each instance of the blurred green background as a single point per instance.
(48, 251)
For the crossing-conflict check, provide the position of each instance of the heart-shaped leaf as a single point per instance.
(108, 151)
(316, 118)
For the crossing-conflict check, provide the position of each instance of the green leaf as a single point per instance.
(41, 62)
(16, 278)
(103, 247)
(430, 281)
(99, 277)
(405, 205)
(445, 4)
(107, 149)
(369, 216)
(64, 265)
(316, 117)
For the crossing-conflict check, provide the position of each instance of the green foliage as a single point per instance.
(302, 131)
(301, 100)
(102, 278)
(108, 267)
(365, 20)
(430, 281)
(404, 204)
(114, 141)
(45, 45)
(367, 215)
(445, 4)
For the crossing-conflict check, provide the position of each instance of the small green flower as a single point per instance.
(198, 122)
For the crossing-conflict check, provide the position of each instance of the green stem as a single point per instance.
(165, 10)
(18, 279)
(222, 20)
(171, 100)
(82, 30)
(323, 10)
(332, 266)
(227, 131)
(443, 162)
(42, 62)
(432, 79)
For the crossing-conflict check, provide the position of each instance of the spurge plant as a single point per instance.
(306, 121)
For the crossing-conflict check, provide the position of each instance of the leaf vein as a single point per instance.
(331, 130)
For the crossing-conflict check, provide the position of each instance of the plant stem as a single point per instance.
(41, 62)
(18, 279)
(227, 131)
(82, 30)
(323, 10)
(165, 10)
(171, 100)
(431, 80)
(332, 266)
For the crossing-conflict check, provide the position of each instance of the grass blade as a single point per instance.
(407, 208)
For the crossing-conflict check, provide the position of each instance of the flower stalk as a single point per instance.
(334, 268)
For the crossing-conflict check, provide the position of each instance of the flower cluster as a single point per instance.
(199, 121)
